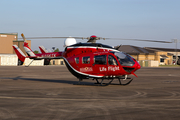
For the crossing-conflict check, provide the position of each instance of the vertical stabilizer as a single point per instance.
(42, 49)
(20, 54)
(28, 50)
(26, 47)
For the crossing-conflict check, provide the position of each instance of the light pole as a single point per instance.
(176, 41)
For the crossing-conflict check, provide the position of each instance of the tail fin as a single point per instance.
(42, 49)
(26, 47)
(20, 54)
(28, 50)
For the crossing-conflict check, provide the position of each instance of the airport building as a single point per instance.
(147, 56)
(7, 53)
(7, 40)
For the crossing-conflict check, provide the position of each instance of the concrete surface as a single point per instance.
(48, 93)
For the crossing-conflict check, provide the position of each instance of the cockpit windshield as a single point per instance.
(124, 59)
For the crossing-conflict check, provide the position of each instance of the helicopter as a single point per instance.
(89, 60)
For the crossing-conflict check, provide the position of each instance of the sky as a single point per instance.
(129, 19)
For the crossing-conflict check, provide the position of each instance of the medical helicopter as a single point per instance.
(89, 60)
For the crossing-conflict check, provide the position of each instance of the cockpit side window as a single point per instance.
(100, 59)
(124, 59)
(77, 60)
(86, 60)
(112, 60)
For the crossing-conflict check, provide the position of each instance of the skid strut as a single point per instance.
(125, 83)
(103, 84)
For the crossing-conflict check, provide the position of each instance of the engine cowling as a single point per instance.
(69, 41)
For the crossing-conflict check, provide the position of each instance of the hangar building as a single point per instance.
(7, 54)
(9, 39)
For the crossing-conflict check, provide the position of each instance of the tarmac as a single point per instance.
(49, 93)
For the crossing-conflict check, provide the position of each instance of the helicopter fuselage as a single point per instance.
(95, 60)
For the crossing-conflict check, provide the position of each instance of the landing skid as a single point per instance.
(110, 82)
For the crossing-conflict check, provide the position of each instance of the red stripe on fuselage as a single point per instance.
(49, 55)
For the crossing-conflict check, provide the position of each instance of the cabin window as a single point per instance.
(100, 59)
(112, 60)
(77, 60)
(86, 60)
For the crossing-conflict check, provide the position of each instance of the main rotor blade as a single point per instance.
(141, 40)
(52, 37)
(99, 38)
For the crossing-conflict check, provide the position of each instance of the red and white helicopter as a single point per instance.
(89, 60)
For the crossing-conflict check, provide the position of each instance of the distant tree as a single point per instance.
(36, 51)
(56, 50)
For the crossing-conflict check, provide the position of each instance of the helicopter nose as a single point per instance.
(138, 66)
